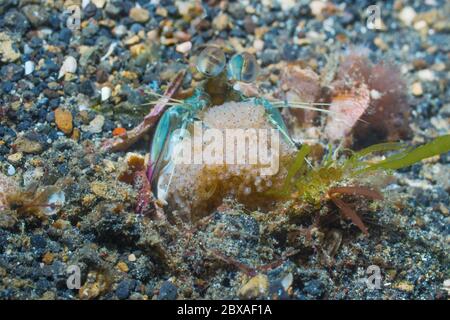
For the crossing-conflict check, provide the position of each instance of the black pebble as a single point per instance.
(123, 289)
(168, 291)
(70, 88)
(38, 241)
(90, 10)
(87, 88)
(65, 35)
(7, 86)
(314, 288)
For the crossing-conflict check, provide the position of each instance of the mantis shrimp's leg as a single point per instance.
(124, 141)
(275, 119)
(283, 132)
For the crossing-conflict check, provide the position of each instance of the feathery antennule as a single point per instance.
(156, 102)
(308, 106)
(163, 96)
(297, 106)
(302, 102)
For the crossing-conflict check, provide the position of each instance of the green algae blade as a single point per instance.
(296, 166)
(388, 146)
(407, 158)
(298, 163)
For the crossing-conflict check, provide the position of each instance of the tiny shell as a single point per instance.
(55, 201)
(287, 281)
(69, 66)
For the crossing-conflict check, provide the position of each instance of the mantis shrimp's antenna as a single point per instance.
(170, 101)
(156, 102)
(162, 96)
(308, 106)
(301, 105)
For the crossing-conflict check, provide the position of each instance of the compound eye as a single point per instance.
(211, 61)
(242, 67)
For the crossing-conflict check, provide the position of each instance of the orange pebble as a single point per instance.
(119, 132)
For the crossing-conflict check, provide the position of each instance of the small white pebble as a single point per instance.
(258, 44)
(11, 170)
(83, 107)
(426, 75)
(184, 47)
(96, 125)
(99, 3)
(132, 258)
(317, 7)
(374, 94)
(29, 67)
(27, 49)
(419, 25)
(287, 5)
(407, 15)
(287, 281)
(446, 285)
(416, 89)
(120, 30)
(106, 93)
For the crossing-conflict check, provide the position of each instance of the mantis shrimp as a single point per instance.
(222, 84)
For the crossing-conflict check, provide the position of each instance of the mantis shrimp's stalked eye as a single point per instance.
(242, 67)
(211, 61)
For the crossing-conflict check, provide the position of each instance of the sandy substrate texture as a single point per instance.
(53, 119)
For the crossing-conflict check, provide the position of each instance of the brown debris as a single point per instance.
(300, 83)
(387, 111)
(7, 186)
(347, 105)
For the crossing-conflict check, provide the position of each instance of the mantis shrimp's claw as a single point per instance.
(124, 141)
